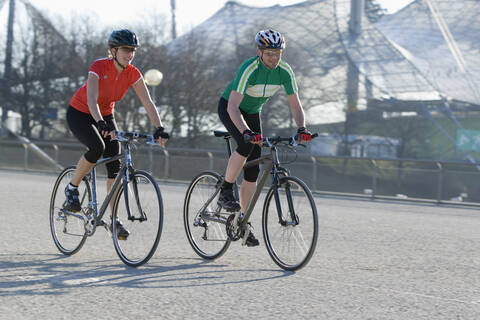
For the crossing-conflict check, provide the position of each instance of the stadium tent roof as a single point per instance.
(404, 56)
(313, 46)
(319, 48)
(382, 62)
(440, 38)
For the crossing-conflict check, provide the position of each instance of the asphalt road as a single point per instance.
(374, 260)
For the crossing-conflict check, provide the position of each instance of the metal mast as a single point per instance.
(8, 61)
(174, 27)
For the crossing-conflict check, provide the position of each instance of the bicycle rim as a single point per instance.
(144, 236)
(68, 231)
(206, 234)
(291, 245)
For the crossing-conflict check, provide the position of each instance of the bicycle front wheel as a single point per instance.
(144, 223)
(204, 220)
(290, 223)
(68, 228)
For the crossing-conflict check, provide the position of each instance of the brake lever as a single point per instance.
(267, 142)
(150, 140)
(119, 136)
(293, 142)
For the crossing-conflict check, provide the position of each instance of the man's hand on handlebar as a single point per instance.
(252, 137)
(303, 135)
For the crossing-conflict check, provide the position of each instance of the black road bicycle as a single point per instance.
(289, 215)
(137, 203)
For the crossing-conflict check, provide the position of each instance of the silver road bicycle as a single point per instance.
(289, 215)
(137, 203)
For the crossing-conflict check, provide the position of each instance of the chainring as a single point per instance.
(234, 236)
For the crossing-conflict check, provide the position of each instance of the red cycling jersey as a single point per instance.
(112, 86)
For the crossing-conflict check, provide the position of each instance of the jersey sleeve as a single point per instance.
(97, 69)
(135, 75)
(245, 71)
(288, 78)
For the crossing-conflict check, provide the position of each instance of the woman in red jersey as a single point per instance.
(90, 114)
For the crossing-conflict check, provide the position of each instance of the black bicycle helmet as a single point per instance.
(123, 37)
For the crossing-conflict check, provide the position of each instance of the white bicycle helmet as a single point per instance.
(270, 39)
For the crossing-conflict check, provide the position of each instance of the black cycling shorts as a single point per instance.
(246, 149)
(84, 128)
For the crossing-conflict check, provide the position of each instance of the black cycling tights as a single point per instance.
(84, 128)
(246, 149)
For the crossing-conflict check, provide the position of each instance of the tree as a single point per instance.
(191, 89)
(373, 10)
(40, 73)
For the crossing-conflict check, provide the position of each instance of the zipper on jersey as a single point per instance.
(265, 86)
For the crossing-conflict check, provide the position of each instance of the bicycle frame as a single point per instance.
(94, 204)
(289, 241)
(273, 168)
(124, 174)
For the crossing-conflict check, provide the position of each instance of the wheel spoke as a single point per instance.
(144, 234)
(207, 238)
(291, 246)
(68, 230)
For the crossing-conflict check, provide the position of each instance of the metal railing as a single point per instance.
(440, 182)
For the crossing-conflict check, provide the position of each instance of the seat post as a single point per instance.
(229, 145)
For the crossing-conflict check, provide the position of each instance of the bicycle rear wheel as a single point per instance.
(68, 228)
(290, 226)
(145, 226)
(204, 220)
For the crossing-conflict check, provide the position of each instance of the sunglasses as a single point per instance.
(272, 53)
(128, 49)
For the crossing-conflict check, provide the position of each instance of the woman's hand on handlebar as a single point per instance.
(161, 136)
(106, 129)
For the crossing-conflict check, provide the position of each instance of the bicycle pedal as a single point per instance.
(106, 226)
(68, 211)
(101, 223)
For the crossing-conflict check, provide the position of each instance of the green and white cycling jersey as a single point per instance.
(257, 83)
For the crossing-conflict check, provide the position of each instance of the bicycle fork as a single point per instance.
(130, 186)
(291, 209)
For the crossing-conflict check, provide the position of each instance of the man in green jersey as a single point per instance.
(239, 108)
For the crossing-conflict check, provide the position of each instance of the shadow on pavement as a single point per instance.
(54, 274)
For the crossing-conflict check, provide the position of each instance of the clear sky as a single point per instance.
(189, 12)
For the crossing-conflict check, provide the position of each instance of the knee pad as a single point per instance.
(245, 149)
(113, 168)
(93, 154)
(251, 174)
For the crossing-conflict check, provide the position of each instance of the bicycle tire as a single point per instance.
(291, 246)
(68, 231)
(145, 235)
(207, 237)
